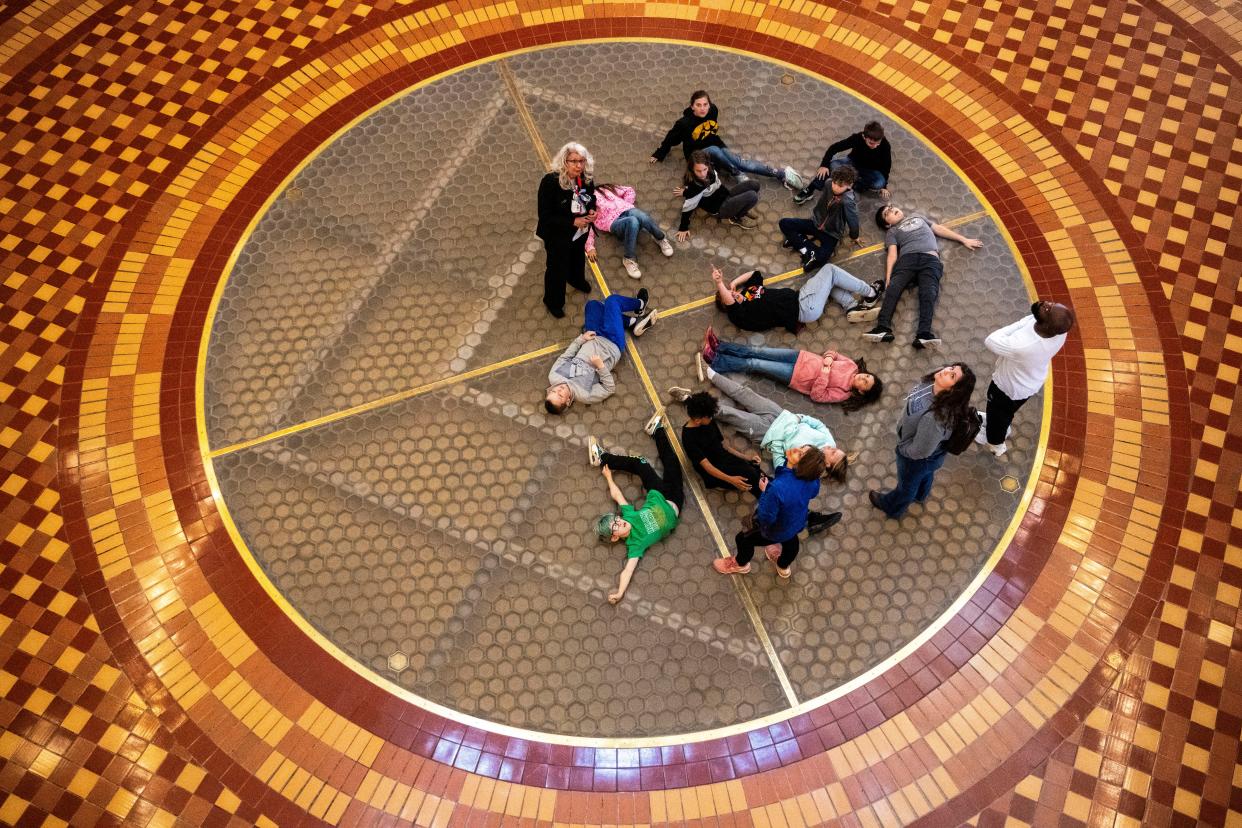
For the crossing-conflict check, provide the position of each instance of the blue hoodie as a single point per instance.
(782, 506)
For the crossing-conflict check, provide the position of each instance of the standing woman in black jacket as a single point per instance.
(566, 210)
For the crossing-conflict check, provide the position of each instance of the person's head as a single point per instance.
(612, 527)
(610, 187)
(843, 178)
(865, 388)
(873, 134)
(1052, 318)
(558, 398)
(806, 462)
(701, 407)
(952, 387)
(698, 168)
(887, 216)
(700, 103)
(571, 162)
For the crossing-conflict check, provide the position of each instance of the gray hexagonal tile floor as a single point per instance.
(444, 539)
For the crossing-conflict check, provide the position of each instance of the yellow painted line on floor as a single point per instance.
(691, 479)
(484, 370)
(397, 397)
(523, 112)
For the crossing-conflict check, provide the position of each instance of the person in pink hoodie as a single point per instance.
(825, 378)
(615, 213)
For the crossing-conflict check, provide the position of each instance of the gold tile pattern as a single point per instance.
(145, 137)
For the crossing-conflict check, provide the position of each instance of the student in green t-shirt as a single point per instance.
(651, 522)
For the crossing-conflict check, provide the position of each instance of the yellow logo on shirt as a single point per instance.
(705, 129)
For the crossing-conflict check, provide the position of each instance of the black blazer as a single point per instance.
(556, 219)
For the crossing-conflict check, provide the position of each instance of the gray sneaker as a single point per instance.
(863, 312)
(595, 454)
(744, 222)
(679, 394)
(653, 425)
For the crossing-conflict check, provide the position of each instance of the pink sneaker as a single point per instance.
(773, 554)
(728, 566)
(711, 343)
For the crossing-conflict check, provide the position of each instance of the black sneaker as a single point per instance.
(744, 222)
(878, 287)
(642, 297)
(810, 260)
(804, 195)
(787, 244)
(926, 340)
(878, 334)
(818, 522)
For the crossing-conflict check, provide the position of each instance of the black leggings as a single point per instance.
(669, 485)
(747, 541)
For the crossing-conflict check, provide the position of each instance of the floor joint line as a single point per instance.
(485, 370)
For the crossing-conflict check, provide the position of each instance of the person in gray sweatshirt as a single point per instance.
(937, 402)
(584, 371)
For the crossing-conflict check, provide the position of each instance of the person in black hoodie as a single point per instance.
(702, 187)
(868, 152)
(566, 210)
(698, 129)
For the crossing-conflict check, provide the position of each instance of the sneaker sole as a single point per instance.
(929, 344)
(699, 367)
(868, 315)
(653, 424)
(870, 337)
(678, 394)
(592, 448)
(646, 322)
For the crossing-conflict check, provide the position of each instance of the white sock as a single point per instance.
(710, 373)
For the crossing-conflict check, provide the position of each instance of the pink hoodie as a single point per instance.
(831, 386)
(608, 206)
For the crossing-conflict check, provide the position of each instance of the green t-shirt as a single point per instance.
(649, 525)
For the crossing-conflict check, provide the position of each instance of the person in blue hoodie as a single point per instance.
(780, 514)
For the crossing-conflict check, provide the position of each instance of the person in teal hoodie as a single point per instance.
(780, 515)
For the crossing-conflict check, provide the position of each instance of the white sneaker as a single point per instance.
(982, 437)
(679, 394)
(998, 451)
(791, 179)
(699, 368)
(648, 319)
(595, 454)
(631, 267)
(653, 424)
(666, 247)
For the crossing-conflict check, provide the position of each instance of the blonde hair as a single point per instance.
(558, 164)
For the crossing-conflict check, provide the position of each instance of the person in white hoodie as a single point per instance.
(1024, 350)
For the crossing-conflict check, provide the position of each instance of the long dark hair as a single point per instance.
(615, 189)
(954, 404)
(858, 399)
(698, 157)
(700, 93)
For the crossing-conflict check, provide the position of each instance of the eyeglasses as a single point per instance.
(575, 160)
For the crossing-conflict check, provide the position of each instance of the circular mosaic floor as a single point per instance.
(442, 539)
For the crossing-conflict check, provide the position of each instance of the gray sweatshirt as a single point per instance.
(919, 433)
(574, 367)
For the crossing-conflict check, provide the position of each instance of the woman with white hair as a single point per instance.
(566, 210)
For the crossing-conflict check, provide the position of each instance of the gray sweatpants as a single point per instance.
(754, 413)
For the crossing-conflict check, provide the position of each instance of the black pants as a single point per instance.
(747, 541)
(802, 232)
(1000, 414)
(751, 472)
(922, 269)
(566, 262)
(669, 484)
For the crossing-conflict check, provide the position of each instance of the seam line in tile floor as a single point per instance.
(500, 365)
(688, 475)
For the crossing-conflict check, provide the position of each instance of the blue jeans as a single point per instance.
(777, 363)
(732, 163)
(867, 179)
(914, 482)
(606, 319)
(627, 225)
(832, 282)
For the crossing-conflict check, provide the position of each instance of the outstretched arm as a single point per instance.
(948, 233)
(613, 491)
(723, 291)
(624, 583)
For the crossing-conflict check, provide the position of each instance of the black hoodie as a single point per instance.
(693, 132)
